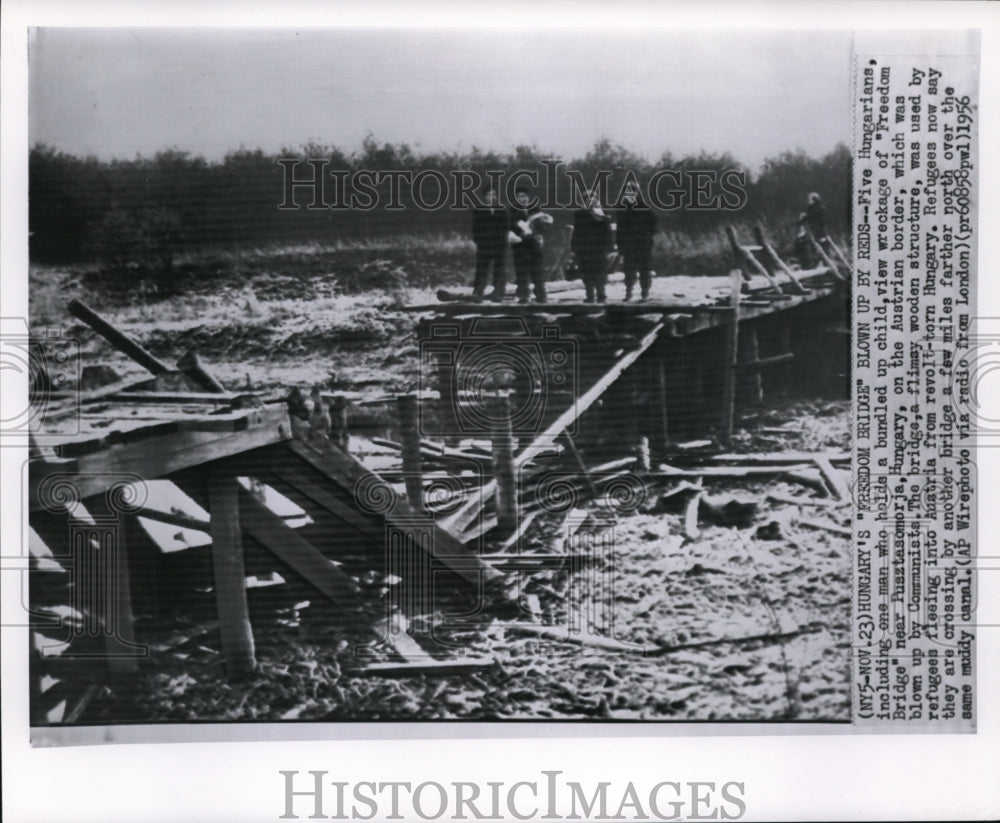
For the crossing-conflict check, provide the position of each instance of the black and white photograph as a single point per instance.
(501, 386)
(443, 387)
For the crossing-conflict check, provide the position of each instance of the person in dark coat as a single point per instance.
(591, 243)
(636, 227)
(526, 226)
(489, 233)
(816, 217)
(803, 246)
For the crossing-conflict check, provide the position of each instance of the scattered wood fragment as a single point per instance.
(726, 471)
(780, 457)
(809, 477)
(766, 637)
(522, 527)
(533, 561)
(691, 530)
(180, 519)
(429, 667)
(826, 527)
(833, 477)
(805, 501)
(566, 635)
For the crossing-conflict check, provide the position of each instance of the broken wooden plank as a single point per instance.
(155, 458)
(429, 667)
(840, 531)
(438, 453)
(354, 478)
(463, 517)
(764, 637)
(806, 501)
(289, 476)
(567, 635)
(118, 339)
(289, 546)
(836, 480)
(548, 438)
(142, 396)
(809, 476)
(691, 530)
(191, 365)
(778, 457)
(547, 560)
(184, 521)
(726, 471)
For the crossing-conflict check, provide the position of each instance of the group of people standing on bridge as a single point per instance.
(596, 234)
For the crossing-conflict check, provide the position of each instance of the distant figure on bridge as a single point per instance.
(636, 227)
(591, 243)
(803, 246)
(489, 233)
(526, 226)
(816, 217)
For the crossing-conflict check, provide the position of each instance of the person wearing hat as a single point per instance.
(636, 227)
(489, 233)
(591, 243)
(526, 221)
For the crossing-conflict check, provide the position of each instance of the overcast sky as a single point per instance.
(122, 92)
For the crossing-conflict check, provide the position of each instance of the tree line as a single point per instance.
(146, 210)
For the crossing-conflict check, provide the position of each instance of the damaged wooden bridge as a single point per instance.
(513, 396)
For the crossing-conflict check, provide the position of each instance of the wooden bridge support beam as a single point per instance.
(110, 569)
(729, 353)
(752, 380)
(409, 425)
(504, 469)
(230, 575)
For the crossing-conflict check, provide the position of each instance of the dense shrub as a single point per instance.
(137, 212)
